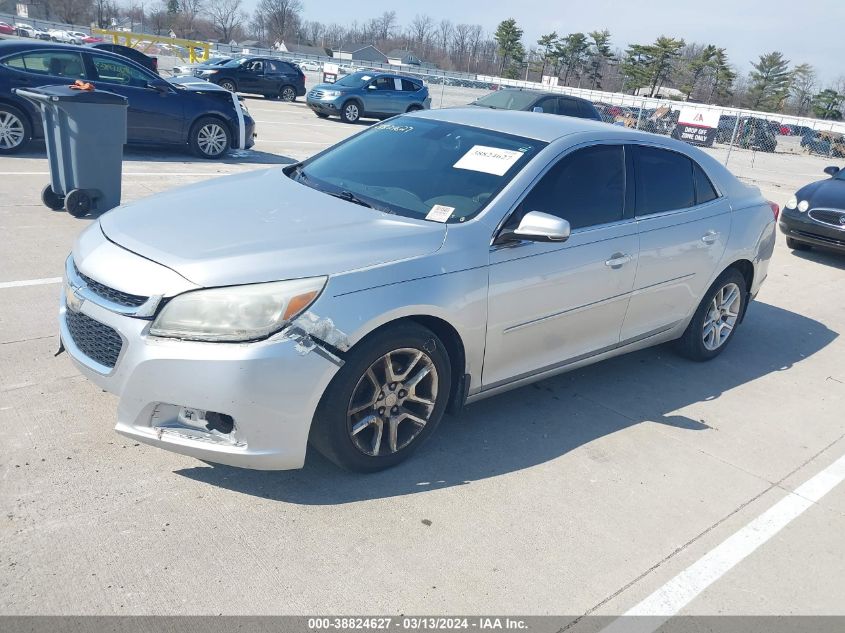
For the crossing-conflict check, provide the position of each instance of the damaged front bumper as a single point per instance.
(248, 405)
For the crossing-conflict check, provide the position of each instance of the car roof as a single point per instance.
(541, 127)
(543, 93)
(10, 47)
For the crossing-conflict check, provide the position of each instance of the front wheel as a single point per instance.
(210, 138)
(388, 397)
(716, 319)
(350, 112)
(228, 84)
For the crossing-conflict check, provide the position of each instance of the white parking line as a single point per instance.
(30, 282)
(683, 588)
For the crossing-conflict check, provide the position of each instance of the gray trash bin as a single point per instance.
(85, 131)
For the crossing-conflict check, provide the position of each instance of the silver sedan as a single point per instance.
(435, 259)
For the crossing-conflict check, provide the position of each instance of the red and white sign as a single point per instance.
(698, 118)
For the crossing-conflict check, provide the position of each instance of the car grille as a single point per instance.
(829, 216)
(110, 294)
(316, 94)
(97, 341)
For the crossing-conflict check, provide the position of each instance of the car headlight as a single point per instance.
(803, 206)
(209, 72)
(332, 93)
(793, 203)
(236, 313)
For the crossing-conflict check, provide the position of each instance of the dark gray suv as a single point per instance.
(534, 101)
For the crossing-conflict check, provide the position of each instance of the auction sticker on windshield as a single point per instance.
(440, 213)
(489, 160)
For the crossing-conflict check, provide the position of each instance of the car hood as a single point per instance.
(262, 226)
(194, 84)
(824, 193)
(333, 87)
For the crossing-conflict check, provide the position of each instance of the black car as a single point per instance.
(815, 216)
(266, 76)
(150, 63)
(190, 113)
(534, 101)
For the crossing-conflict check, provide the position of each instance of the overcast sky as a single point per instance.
(807, 31)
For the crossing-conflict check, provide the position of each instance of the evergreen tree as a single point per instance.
(770, 82)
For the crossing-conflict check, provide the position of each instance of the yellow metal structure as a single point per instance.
(197, 51)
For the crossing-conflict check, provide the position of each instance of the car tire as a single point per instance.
(78, 203)
(15, 130)
(413, 108)
(228, 84)
(51, 199)
(715, 320)
(210, 138)
(288, 94)
(352, 426)
(795, 245)
(350, 112)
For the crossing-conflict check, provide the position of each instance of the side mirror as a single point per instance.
(537, 226)
(536, 109)
(832, 170)
(159, 85)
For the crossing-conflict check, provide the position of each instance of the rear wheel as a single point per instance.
(210, 138)
(388, 397)
(716, 319)
(14, 129)
(287, 93)
(795, 245)
(350, 112)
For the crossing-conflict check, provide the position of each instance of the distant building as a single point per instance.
(662, 93)
(360, 53)
(302, 49)
(398, 57)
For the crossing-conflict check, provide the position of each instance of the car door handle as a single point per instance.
(710, 237)
(618, 259)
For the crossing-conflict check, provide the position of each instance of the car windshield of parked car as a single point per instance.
(420, 168)
(506, 100)
(355, 80)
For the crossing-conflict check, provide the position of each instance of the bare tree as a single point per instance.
(226, 16)
(460, 43)
(385, 26)
(420, 31)
(444, 33)
(189, 10)
(281, 17)
(72, 11)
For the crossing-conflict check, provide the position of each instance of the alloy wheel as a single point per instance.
(211, 139)
(721, 317)
(352, 113)
(11, 130)
(392, 402)
(288, 94)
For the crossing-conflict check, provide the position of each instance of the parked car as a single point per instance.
(312, 67)
(205, 118)
(443, 257)
(147, 61)
(534, 101)
(66, 37)
(92, 39)
(6, 29)
(815, 215)
(188, 69)
(368, 94)
(25, 30)
(273, 78)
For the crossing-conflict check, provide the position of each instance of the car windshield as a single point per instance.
(840, 175)
(420, 168)
(355, 80)
(506, 100)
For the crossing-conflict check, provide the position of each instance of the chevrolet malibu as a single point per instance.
(351, 303)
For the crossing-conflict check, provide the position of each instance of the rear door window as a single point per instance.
(568, 107)
(549, 105)
(53, 63)
(664, 181)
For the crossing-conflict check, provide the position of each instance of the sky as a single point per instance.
(810, 31)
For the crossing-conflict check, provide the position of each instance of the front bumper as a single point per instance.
(799, 226)
(270, 389)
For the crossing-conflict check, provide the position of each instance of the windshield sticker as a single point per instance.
(366, 78)
(440, 213)
(489, 160)
(390, 127)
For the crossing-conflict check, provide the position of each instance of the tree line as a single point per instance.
(669, 66)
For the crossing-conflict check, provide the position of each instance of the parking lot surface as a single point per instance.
(584, 493)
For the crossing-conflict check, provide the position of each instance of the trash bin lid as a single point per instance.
(66, 93)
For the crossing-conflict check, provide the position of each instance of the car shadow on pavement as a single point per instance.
(548, 419)
(821, 255)
(157, 154)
